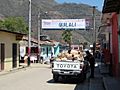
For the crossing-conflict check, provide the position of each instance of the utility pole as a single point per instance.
(39, 32)
(94, 30)
(94, 7)
(29, 34)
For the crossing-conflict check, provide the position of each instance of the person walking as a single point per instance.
(90, 58)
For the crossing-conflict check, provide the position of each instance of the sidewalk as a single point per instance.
(96, 83)
(110, 83)
(12, 70)
(104, 69)
(24, 66)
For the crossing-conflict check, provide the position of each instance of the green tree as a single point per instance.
(67, 37)
(16, 24)
(1, 24)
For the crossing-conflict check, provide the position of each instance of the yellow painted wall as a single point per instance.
(8, 39)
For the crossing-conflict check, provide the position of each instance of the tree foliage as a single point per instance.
(15, 24)
(67, 37)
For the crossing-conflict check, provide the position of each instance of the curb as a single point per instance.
(111, 83)
(12, 70)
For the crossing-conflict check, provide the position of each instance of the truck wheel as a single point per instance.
(55, 77)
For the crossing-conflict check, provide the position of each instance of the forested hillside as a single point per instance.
(54, 11)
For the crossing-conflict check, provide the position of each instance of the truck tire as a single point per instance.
(55, 77)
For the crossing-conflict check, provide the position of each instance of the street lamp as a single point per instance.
(29, 34)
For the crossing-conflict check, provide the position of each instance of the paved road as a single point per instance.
(37, 77)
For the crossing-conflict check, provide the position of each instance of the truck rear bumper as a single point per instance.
(70, 73)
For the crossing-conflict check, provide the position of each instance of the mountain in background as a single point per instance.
(54, 11)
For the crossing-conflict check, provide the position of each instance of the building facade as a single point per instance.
(112, 7)
(9, 49)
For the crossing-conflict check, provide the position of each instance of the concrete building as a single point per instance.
(9, 49)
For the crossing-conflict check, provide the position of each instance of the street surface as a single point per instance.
(38, 77)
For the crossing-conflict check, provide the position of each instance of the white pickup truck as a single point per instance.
(69, 68)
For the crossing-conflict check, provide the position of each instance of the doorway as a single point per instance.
(14, 55)
(2, 56)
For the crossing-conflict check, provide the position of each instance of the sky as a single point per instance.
(97, 3)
